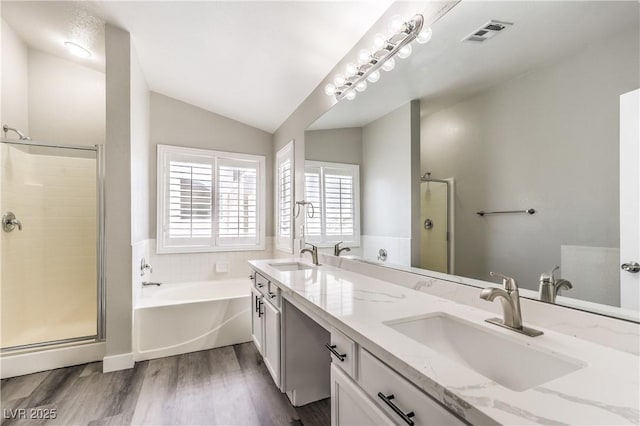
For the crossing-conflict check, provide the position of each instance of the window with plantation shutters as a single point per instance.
(334, 191)
(209, 200)
(284, 198)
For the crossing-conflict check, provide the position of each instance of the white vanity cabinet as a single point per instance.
(265, 323)
(399, 398)
(271, 342)
(257, 321)
(350, 406)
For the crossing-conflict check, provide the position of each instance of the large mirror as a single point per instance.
(503, 153)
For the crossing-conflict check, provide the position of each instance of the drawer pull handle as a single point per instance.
(405, 416)
(260, 285)
(271, 294)
(251, 277)
(257, 305)
(260, 303)
(332, 349)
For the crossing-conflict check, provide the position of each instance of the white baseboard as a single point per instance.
(18, 364)
(117, 362)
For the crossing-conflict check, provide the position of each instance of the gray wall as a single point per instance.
(173, 122)
(140, 146)
(387, 175)
(66, 101)
(118, 191)
(334, 145)
(15, 86)
(546, 140)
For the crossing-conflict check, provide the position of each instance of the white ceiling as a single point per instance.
(447, 70)
(254, 62)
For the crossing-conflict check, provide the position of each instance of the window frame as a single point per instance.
(354, 171)
(166, 153)
(284, 243)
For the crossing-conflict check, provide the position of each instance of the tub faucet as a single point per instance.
(144, 267)
(147, 284)
(337, 250)
(314, 253)
(550, 286)
(510, 300)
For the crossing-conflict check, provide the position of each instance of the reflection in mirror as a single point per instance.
(514, 154)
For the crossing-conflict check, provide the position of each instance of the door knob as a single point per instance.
(633, 267)
(9, 222)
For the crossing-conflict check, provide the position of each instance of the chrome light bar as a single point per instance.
(382, 57)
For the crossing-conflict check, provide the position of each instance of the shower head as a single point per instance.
(21, 135)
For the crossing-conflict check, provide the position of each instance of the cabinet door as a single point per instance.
(271, 343)
(257, 323)
(350, 406)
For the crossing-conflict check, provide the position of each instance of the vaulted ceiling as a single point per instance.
(254, 62)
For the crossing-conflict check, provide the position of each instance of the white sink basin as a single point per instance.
(509, 363)
(290, 266)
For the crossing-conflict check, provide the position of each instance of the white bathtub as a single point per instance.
(179, 318)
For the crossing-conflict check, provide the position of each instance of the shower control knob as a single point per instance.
(632, 267)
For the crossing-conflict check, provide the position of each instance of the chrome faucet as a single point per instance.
(510, 300)
(550, 286)
(337, 250)
(144, 267)
(314, 253)
(147, 284)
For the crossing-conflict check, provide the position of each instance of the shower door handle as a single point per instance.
(9, 222)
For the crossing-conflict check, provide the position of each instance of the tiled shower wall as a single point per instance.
(49, 285)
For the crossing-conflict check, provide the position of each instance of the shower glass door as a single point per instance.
(49, 251)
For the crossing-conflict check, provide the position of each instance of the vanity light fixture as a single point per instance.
(77, 50)
(369, 63)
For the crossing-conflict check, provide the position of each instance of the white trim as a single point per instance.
(283, 243)
(213, 245)
(117, 362)
(18, 364)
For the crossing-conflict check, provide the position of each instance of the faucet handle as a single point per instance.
(312, 246)
(507, 282)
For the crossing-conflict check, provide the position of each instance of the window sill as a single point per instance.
(188, 250)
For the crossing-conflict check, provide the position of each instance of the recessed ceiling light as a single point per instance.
(77, 50)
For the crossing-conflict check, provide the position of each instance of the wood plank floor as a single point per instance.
(224, 386)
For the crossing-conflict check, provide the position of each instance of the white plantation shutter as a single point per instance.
(209, 201)
(190, 199)
(338, 204)
(237, 201)
(284, 198)
(333, 188)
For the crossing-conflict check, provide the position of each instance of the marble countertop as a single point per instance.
(604, 391)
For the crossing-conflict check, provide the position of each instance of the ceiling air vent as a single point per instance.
(487, 31)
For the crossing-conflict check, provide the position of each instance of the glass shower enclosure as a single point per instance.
(51, 245)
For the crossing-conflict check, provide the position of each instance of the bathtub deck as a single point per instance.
(221, 386)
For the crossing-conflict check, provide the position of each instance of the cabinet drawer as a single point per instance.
(343, 352)
(261, 283)
(273, 294)
(401, 397)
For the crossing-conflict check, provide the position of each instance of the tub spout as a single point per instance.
(147, 284)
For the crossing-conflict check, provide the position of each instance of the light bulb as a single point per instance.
(396, 23)
(424, 36)
(364, 56)
(361, 86)
(77, 50)
(351, 95)
(340, 80)
(405, 51)
(351, 69)
(389, 64)
(379, 41)
(330, 89)
(374, 76)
